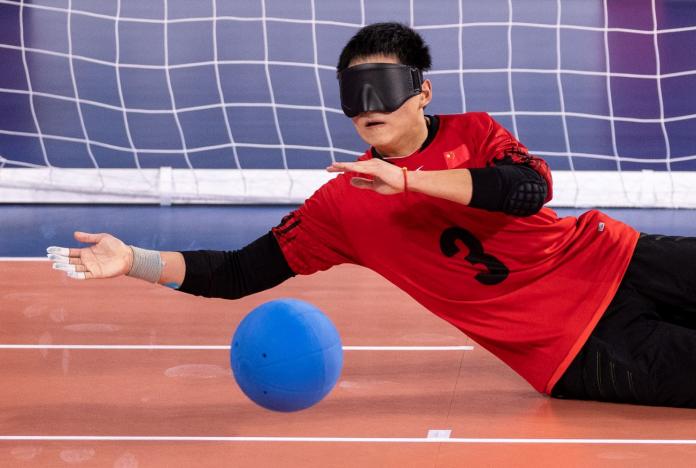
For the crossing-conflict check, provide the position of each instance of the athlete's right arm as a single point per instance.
(109, 257)
(227, 274)
(307, 240)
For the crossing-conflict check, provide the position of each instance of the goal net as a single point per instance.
(236, 101)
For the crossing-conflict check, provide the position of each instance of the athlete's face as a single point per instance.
(397, 133)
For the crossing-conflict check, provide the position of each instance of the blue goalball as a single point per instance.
(286, 355)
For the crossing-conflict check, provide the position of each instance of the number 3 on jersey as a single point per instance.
(496, 271)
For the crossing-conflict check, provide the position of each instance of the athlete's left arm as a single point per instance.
(512, 189)
(504, 176)
(510, 181)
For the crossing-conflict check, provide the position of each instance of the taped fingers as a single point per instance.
(65, 260)
(63, 252)
(78, 272)
(69, 268)
(68, 261)
(78, 275)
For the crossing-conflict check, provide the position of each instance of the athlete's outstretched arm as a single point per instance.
(109, 257)
(228, 274)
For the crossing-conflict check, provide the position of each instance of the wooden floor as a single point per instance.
(92, 376)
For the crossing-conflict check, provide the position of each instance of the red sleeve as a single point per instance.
(311, 237)
(500, 147)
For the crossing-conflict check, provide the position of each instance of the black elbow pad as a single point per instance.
(526, 197)
(513, 189)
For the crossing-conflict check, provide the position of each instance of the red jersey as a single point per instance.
(528, 289)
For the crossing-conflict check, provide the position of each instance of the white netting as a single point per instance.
(214, 102)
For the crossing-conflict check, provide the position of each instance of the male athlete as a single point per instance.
(449, 208)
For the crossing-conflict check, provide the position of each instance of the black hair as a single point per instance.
(387, 39)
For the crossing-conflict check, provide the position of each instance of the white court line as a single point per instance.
(222, 347)
(456, 440)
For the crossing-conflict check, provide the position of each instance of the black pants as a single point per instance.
(643, 350)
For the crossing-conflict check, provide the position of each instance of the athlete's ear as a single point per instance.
(426, 94)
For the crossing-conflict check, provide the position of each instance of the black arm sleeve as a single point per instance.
(514, 189)
(234, 274)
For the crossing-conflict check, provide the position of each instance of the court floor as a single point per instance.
(126, 374)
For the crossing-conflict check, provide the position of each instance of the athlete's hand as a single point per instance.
(381, 176)
(107, 257)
